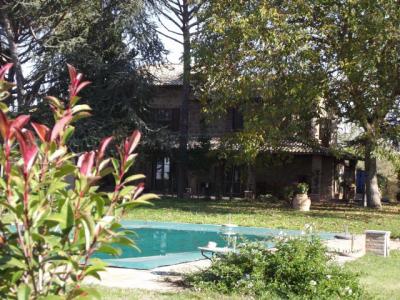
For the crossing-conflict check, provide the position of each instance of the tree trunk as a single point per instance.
(219, 176)
(251, 178)
(12, 41)
(183, 126)
(372, 188)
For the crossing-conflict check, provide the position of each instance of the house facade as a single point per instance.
(329, 174)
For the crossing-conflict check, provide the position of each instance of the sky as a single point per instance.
(175, 50)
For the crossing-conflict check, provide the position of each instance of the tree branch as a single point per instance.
(170, 37)
(179, 4)
(193, 33)
(171, 19)
(177, 12)
(193, 24)
(166, 28)
(196, 8)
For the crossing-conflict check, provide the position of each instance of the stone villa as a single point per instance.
(329, 175)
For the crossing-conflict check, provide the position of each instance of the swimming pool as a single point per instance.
(163, 244)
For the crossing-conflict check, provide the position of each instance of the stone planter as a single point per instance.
(249, 195)
(302, 202)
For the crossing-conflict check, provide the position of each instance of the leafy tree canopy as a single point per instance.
(279, 62)
(250, 57)
(358, 45)
(111, 41)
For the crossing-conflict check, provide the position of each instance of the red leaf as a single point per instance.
(126, 149)
(81, 86)
(72, 72)
(4, 125)
(7, 126)
(75, 82)
(20, 122)
(103, 146)
(85, 163)
(28, 148)
(139, 189)
(42, 131)
(133, 142)
(60, 125)
(4, 69)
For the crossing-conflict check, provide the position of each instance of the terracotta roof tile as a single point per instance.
(167, 75)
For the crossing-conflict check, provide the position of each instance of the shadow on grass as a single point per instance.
(217, 207)
(333, 210)
(388, 208)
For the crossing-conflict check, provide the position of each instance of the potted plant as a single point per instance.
(301, 200)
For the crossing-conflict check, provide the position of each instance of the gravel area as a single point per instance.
(159, 279)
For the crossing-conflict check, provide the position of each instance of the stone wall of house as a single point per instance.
(273, 179)
(199, 127)
(317, 170)
(171, 97)
(167, 97)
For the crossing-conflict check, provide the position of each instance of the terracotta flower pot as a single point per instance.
(302, 202)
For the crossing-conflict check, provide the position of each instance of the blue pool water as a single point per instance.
(163, 244)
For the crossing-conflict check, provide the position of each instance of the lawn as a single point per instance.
(331, 217)
(130, 294)
(379, 275)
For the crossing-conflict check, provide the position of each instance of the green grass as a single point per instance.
(130, 294)
(331, 217)
(380, 276)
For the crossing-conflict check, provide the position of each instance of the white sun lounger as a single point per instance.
(215, 251)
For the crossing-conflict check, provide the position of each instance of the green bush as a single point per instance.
(302, 188)
(299, 268)
(57, 217)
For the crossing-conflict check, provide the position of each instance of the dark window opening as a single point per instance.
(167, 117)
(237, 120)
(162, 174)
(164, 115)
(163, 169)
(233, 182)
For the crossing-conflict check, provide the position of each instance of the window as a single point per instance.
(164, 116)
(237, 120)
(167, 117)
(232, 181)
(163, 174)
(163, 169)
(236, 175)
